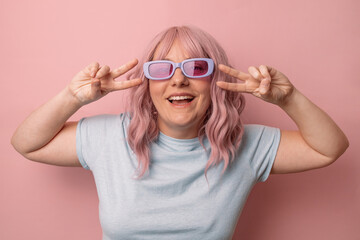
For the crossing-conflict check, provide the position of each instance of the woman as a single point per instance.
(183, 121)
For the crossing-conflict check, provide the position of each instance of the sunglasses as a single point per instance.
(191, 68)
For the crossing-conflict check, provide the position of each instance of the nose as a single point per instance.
(179, 79)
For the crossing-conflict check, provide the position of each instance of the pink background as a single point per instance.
(315, 43)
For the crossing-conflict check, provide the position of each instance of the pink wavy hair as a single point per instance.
(221, 124)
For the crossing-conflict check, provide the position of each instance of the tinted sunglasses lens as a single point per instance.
(196, 68)
(160, 70)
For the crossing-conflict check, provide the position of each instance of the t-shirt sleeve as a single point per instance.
(81, 136)
(92, 138)
(262, 142)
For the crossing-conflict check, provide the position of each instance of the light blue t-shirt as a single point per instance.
(173, 201)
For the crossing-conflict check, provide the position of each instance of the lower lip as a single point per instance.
(180, 105)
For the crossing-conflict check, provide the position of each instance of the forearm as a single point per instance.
(318, 130)
(45, 122)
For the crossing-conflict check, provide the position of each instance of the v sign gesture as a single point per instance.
(94, 82)
(301, 150)
(45, 132)
(264, 82)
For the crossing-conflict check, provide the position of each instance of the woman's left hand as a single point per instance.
(263, 82)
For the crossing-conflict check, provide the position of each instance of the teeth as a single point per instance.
(177, 98)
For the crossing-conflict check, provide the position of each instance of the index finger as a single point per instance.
(124, 68)
(233, 72)
(121, 85)
(235, 87)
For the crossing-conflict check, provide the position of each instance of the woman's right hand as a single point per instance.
(93, 82)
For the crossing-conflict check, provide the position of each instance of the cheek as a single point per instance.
(205, 89)
(207, 102)
(155, 89)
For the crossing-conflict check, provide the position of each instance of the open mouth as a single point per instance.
(180, 100)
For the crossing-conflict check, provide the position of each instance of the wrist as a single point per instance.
(70, 98)
(290, 100)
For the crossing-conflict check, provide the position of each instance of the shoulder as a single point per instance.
(259, 145)
(98, 135)
(108, 117)
(257, 131)
(103, 125)
(259, 138)
(105, 120)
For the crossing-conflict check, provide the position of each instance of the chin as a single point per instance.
(183, 121)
